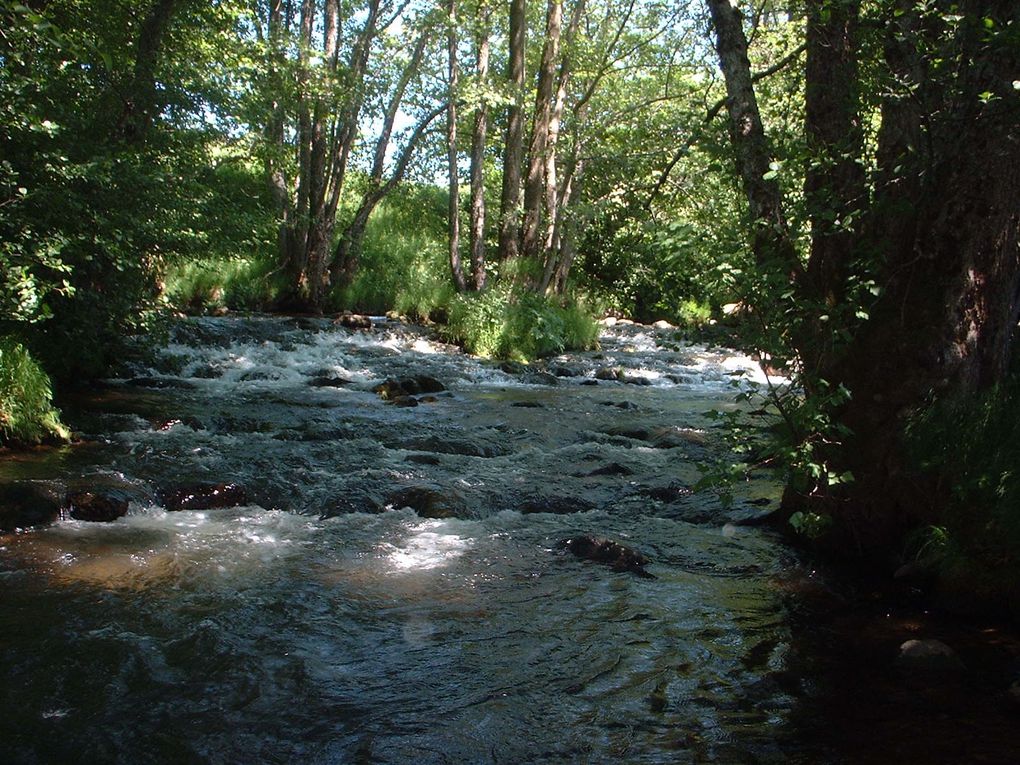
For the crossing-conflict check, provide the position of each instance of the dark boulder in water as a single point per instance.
(429, 502)
(29, 503)
(327, 381)
(618, 557)
(204, 496)
(394, 390)
(97, 506)
(554, 505)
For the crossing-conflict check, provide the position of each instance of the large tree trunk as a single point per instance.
(946, 222)
(478, 137)
(513, 153)
(942, 232)
(834, 180)
(140, 101)
(534, 183)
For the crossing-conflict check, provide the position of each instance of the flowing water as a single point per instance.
(325, 621)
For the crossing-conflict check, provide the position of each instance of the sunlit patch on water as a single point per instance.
(159, 549)
(426, 549)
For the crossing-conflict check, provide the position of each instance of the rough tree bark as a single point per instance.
(453, 214)
(534, 183)
(942, 230)
(834, 187)
(139, 101)
(478, 138)
(945, 224)
(513, 153)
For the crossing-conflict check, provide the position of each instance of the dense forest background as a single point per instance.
(835, 181)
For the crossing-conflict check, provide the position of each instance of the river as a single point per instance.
(324, 620)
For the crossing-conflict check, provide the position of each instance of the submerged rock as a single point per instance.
(29, 503)
(393, 389)
(555, 505)
(204, 496)
(613, 468)
(325, 381)
(538, 377)
(97, 506)
(429, 502)
(613, 554)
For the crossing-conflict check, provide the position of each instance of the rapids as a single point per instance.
(325, 623)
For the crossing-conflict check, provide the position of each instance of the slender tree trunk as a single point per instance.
(478, 156)
(298, 261)
(534, 184)
(509, 230)
(555, 197)
(276, 178)
(344, 264)
(348, 250)
(771, 242)
(451, 151)
(140, 103)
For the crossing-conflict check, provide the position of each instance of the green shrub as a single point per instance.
(240, 284)
(27, 415)
(508, 324)
(973, 447)
(403, 263)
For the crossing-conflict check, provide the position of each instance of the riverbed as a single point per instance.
(392, 586)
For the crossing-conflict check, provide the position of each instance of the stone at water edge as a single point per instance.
(97, 506)
(393, 389)
(618, 557)
(353, 321)
(29, 503)
(928, 656)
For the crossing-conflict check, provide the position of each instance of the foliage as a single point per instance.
(506, 323)
(403, 262)
(973, 445)
(215, 284)
(90, 215)
(27, 415)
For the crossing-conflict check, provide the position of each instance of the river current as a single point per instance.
(324, 620)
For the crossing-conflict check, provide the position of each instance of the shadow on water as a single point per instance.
(393, 590)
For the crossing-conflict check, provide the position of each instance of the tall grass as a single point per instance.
(403, 265)
(27, 415)
(505, 323)
(240, 284)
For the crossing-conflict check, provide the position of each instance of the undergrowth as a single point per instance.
(973, 446)
(506, 324)
(239, 284)
(27, 415)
